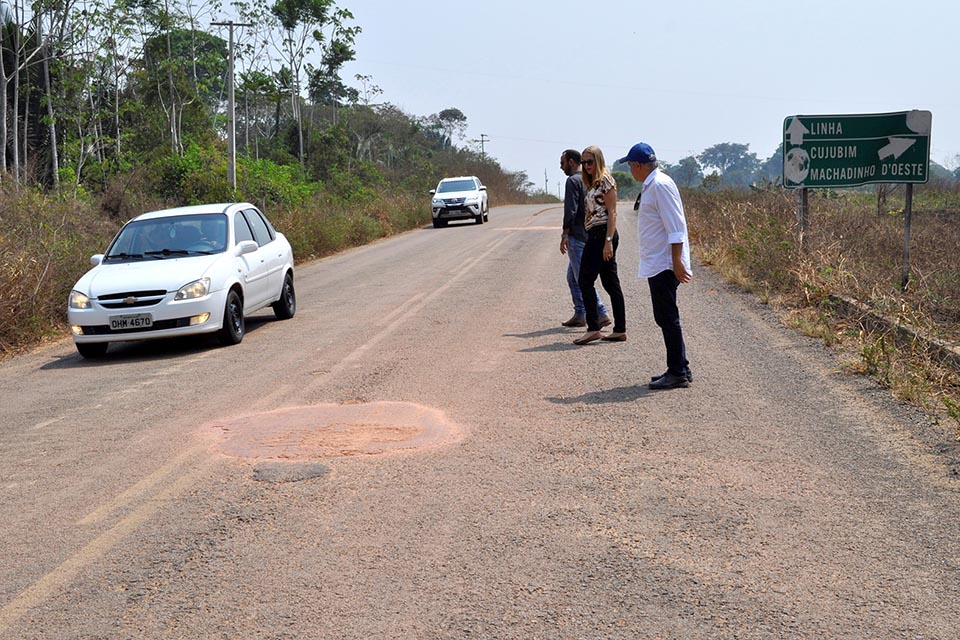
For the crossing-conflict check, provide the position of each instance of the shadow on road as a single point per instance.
(556, 346)
(609, 396)
(538, 334)
(149, 350)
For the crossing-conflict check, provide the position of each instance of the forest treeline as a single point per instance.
(128, 97)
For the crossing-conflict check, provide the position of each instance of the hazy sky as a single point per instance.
(537, 76)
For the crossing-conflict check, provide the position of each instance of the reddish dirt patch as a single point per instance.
(331, 431)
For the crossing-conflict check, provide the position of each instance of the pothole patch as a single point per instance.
(334, 431)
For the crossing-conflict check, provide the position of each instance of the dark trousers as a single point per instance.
(592, 265)
(663, 294)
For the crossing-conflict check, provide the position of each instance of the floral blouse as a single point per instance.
(596, 214)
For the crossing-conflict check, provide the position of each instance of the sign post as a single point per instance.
(803, 216)
(832, 151)
(907, 214)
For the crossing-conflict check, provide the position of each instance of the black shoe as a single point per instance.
(670, 381)
(575, 321)
(688, 376)
(604, 321)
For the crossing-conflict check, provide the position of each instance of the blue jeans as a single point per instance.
(575, 254)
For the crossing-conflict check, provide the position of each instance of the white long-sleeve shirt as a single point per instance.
(660, 223)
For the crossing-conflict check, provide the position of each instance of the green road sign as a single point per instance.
(850, 150)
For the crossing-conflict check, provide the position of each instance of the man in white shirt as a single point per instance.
(664, 257)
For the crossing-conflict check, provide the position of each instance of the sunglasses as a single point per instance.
(588, 162)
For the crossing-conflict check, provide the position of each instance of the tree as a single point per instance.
(255, 114)
(19, 45)
(772, 167)
(711, 182)
(182, 72)
(302, 23)
(325, 85)
(453, 123)
(734, 162)
(444, 125)
(728, 156)
(369, 91)
(687, 172)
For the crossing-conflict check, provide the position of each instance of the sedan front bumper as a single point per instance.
(168, 318)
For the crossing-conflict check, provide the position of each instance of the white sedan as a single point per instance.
(180, 272)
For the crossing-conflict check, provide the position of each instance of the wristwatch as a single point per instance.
(609, 238)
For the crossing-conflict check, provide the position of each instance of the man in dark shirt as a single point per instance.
(574, 237)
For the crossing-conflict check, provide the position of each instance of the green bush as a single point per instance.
(196, 177)
(266, 183)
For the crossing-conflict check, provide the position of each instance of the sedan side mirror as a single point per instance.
(245, 247)
(96, 259)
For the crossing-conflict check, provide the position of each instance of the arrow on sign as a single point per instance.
(896, 147)
(796, 131)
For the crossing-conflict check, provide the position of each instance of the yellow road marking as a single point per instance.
(45, 423)
(141, 487)
(47, 586)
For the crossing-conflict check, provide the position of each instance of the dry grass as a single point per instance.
(851, 249)
(44, 246)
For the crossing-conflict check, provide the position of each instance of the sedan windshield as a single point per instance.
(456, 185)
(174, 237)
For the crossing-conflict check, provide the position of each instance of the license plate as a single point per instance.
(124, 323)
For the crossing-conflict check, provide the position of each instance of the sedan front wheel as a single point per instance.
(233, 323)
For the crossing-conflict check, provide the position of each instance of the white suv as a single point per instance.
(459, 198)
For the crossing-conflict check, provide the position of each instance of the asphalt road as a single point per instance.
(422, 453)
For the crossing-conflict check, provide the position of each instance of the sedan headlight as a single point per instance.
(196, 289)
(79, 300)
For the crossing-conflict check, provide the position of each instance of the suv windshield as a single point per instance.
(447, 186)
(177, 236)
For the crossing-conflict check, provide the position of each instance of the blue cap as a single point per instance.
(640, 152)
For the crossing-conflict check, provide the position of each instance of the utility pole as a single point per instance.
(483, 138)
(231, 108)
(546, 182)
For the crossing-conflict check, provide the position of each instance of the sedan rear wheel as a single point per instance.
(286, 306)
(233, 323)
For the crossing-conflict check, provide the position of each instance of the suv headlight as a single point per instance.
(79, 300)
(436, 202)
(196, 289)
